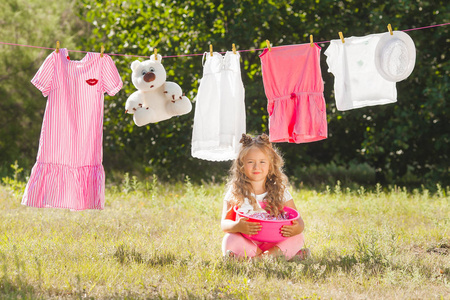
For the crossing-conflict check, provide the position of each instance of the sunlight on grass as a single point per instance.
(159, 240)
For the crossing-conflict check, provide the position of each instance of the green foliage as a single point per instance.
(38, 23)
(15, 184)
(409, 137)
(130, 185)
(318, 176)
(409, 134)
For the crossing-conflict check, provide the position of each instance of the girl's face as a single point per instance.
(256, 164)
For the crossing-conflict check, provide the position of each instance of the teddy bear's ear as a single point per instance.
(159, 60)
(135, 64)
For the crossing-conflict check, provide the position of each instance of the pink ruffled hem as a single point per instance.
(62, 186)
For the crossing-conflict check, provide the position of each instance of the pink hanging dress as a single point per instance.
(68, 172)
(294, 89)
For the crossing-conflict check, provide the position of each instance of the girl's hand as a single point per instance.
(245, 227)
(291, 230)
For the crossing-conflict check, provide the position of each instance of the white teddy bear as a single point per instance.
(156, 99)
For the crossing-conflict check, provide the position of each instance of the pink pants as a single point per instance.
(244, 247)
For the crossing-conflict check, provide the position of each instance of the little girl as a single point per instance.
(257, 176)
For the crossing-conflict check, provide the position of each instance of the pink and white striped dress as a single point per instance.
(68, 172)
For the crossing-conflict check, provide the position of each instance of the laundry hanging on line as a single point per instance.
(61, 177)
(219, 119)
(330, 51)
(68, 172)
(294, 88)
(367, 68)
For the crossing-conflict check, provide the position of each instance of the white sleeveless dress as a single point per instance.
(219, 119)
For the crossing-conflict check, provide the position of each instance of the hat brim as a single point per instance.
(395, 56)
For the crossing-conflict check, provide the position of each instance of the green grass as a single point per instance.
(164, 241)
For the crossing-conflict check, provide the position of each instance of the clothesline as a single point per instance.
(195, 54)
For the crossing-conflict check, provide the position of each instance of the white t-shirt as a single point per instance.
(247, 208)
(357, 82)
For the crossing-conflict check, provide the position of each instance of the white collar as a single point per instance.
(260, 197)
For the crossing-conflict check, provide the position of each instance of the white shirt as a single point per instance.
(357, 82)
(247, 208)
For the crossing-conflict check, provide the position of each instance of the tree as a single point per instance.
(409, 135)
(37, 23)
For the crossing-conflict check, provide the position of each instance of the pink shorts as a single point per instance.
(243, 247)
(298, 118)
(294, 88)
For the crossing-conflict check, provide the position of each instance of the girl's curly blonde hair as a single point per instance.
(275, 183)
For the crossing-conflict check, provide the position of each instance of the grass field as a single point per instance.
(163, 241)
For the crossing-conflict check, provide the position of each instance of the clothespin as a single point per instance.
(102, 49)
(342, 37)
(389, 27)
(268, 45)
(234, 48)
(211, 49)
(57, 46)
(311, 40)
(155, 51)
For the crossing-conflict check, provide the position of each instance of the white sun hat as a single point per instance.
(395, 56)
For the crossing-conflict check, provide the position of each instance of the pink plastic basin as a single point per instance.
(271, 229)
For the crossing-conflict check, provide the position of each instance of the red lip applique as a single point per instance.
(68, 57)
(92, 81)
